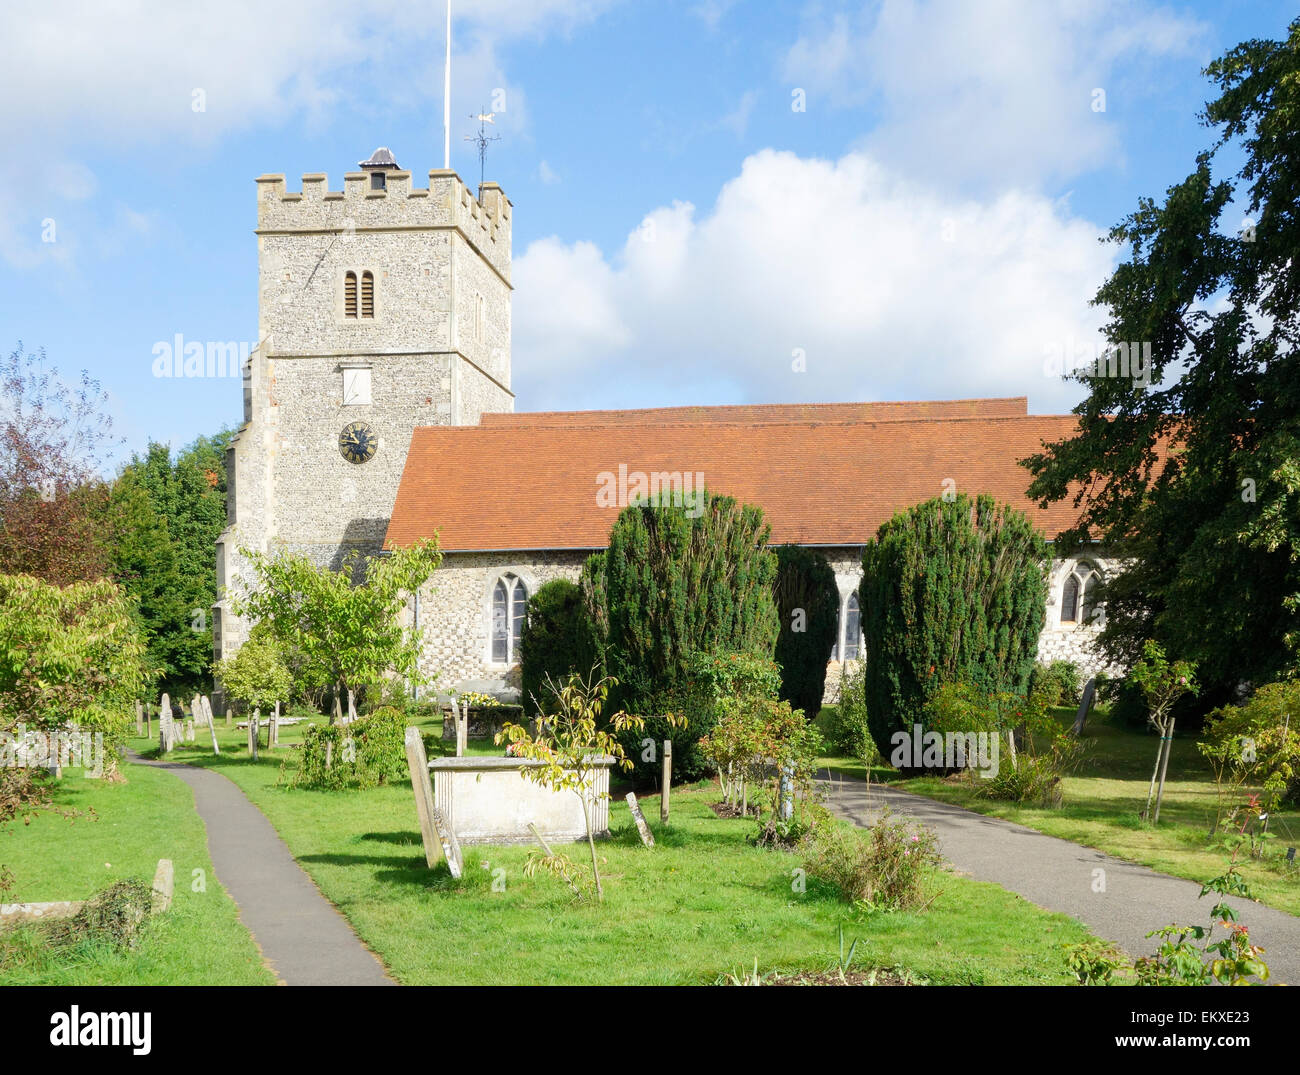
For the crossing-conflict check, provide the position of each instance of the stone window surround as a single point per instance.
(842, 615)
(501, 574)
(340, 288)
(1057, 596)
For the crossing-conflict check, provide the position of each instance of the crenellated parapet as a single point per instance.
(398, 206)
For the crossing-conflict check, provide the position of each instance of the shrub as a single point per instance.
(885, 870)
(845, 723)
(680, 579)
(1057, 682)
(257, 674)
(952, 590)
(711, 682)
(808, 605)
(1254, 750)
(555, 641)
(366, 752)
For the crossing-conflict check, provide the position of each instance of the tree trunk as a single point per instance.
(1164, 765)
(591, 842)
(338, 704)
(1151, 788)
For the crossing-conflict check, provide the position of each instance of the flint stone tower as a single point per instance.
(381, 307)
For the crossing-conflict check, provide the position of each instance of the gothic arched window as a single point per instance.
(852, 628)
(1078, 594)
(509, 600)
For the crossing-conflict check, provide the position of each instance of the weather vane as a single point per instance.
(482, 139)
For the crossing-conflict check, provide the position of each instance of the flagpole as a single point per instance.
(446, 98)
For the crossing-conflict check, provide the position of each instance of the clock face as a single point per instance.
(358, 442)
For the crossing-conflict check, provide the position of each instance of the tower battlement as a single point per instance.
(446, 203)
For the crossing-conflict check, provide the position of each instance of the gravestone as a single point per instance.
(139, 720)
(165, 724)
(667, 781)
(148, 721)
(273, 729)
(1085, 705)
(253, 733)
(212, 729)
(647, 837)
(163, 885)
(189, 730)
(439, 841)
(196, 711)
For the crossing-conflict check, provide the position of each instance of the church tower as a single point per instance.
(381, 307)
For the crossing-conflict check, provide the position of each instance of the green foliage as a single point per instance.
(712, 682)
(556, 640)
(1230, 960)
(1057, 682)
(1035, 776)
(883, 871)
(341, 634)
(1161, 681)
(1197, 473)
(952, 590)
(1254, 751)
(787, 746)
(680, 579)
(808, 604)
(595, 606)
(368, 752)
(69, 654)
(845, 726)
(112, 917)
(256, 675)
(569, 742)
(165, 516)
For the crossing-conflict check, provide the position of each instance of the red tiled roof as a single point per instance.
(886, 411)
(820, 483)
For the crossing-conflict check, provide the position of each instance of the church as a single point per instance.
(378, 411)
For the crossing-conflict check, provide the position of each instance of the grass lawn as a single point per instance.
(1104, 797)
(151, 816)
(702, 904)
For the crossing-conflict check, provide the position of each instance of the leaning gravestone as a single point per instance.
(1085, 706)
(189, 731)
(196, 711)
(647, 837)
(439, 840)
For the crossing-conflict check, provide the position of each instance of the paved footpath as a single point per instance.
(301, 934)
(1059, 875)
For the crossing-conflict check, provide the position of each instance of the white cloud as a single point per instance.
(891, 289)
(546, 174)
(989, 90)
(84, 76)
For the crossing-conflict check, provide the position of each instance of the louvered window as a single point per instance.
(350, 294)
(367, 294)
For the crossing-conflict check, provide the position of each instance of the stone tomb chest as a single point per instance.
(490, 801)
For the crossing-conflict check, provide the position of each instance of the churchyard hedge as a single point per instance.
(953, 590)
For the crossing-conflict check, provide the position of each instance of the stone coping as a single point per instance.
(466, 764)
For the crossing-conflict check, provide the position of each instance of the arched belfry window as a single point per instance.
(1078, 594)
(367, 294)
(509, 601)
(349, 294)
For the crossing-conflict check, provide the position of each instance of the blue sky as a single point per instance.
(926, 227)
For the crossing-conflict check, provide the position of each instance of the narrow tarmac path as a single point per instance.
(301, 934)
(1063, 876)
